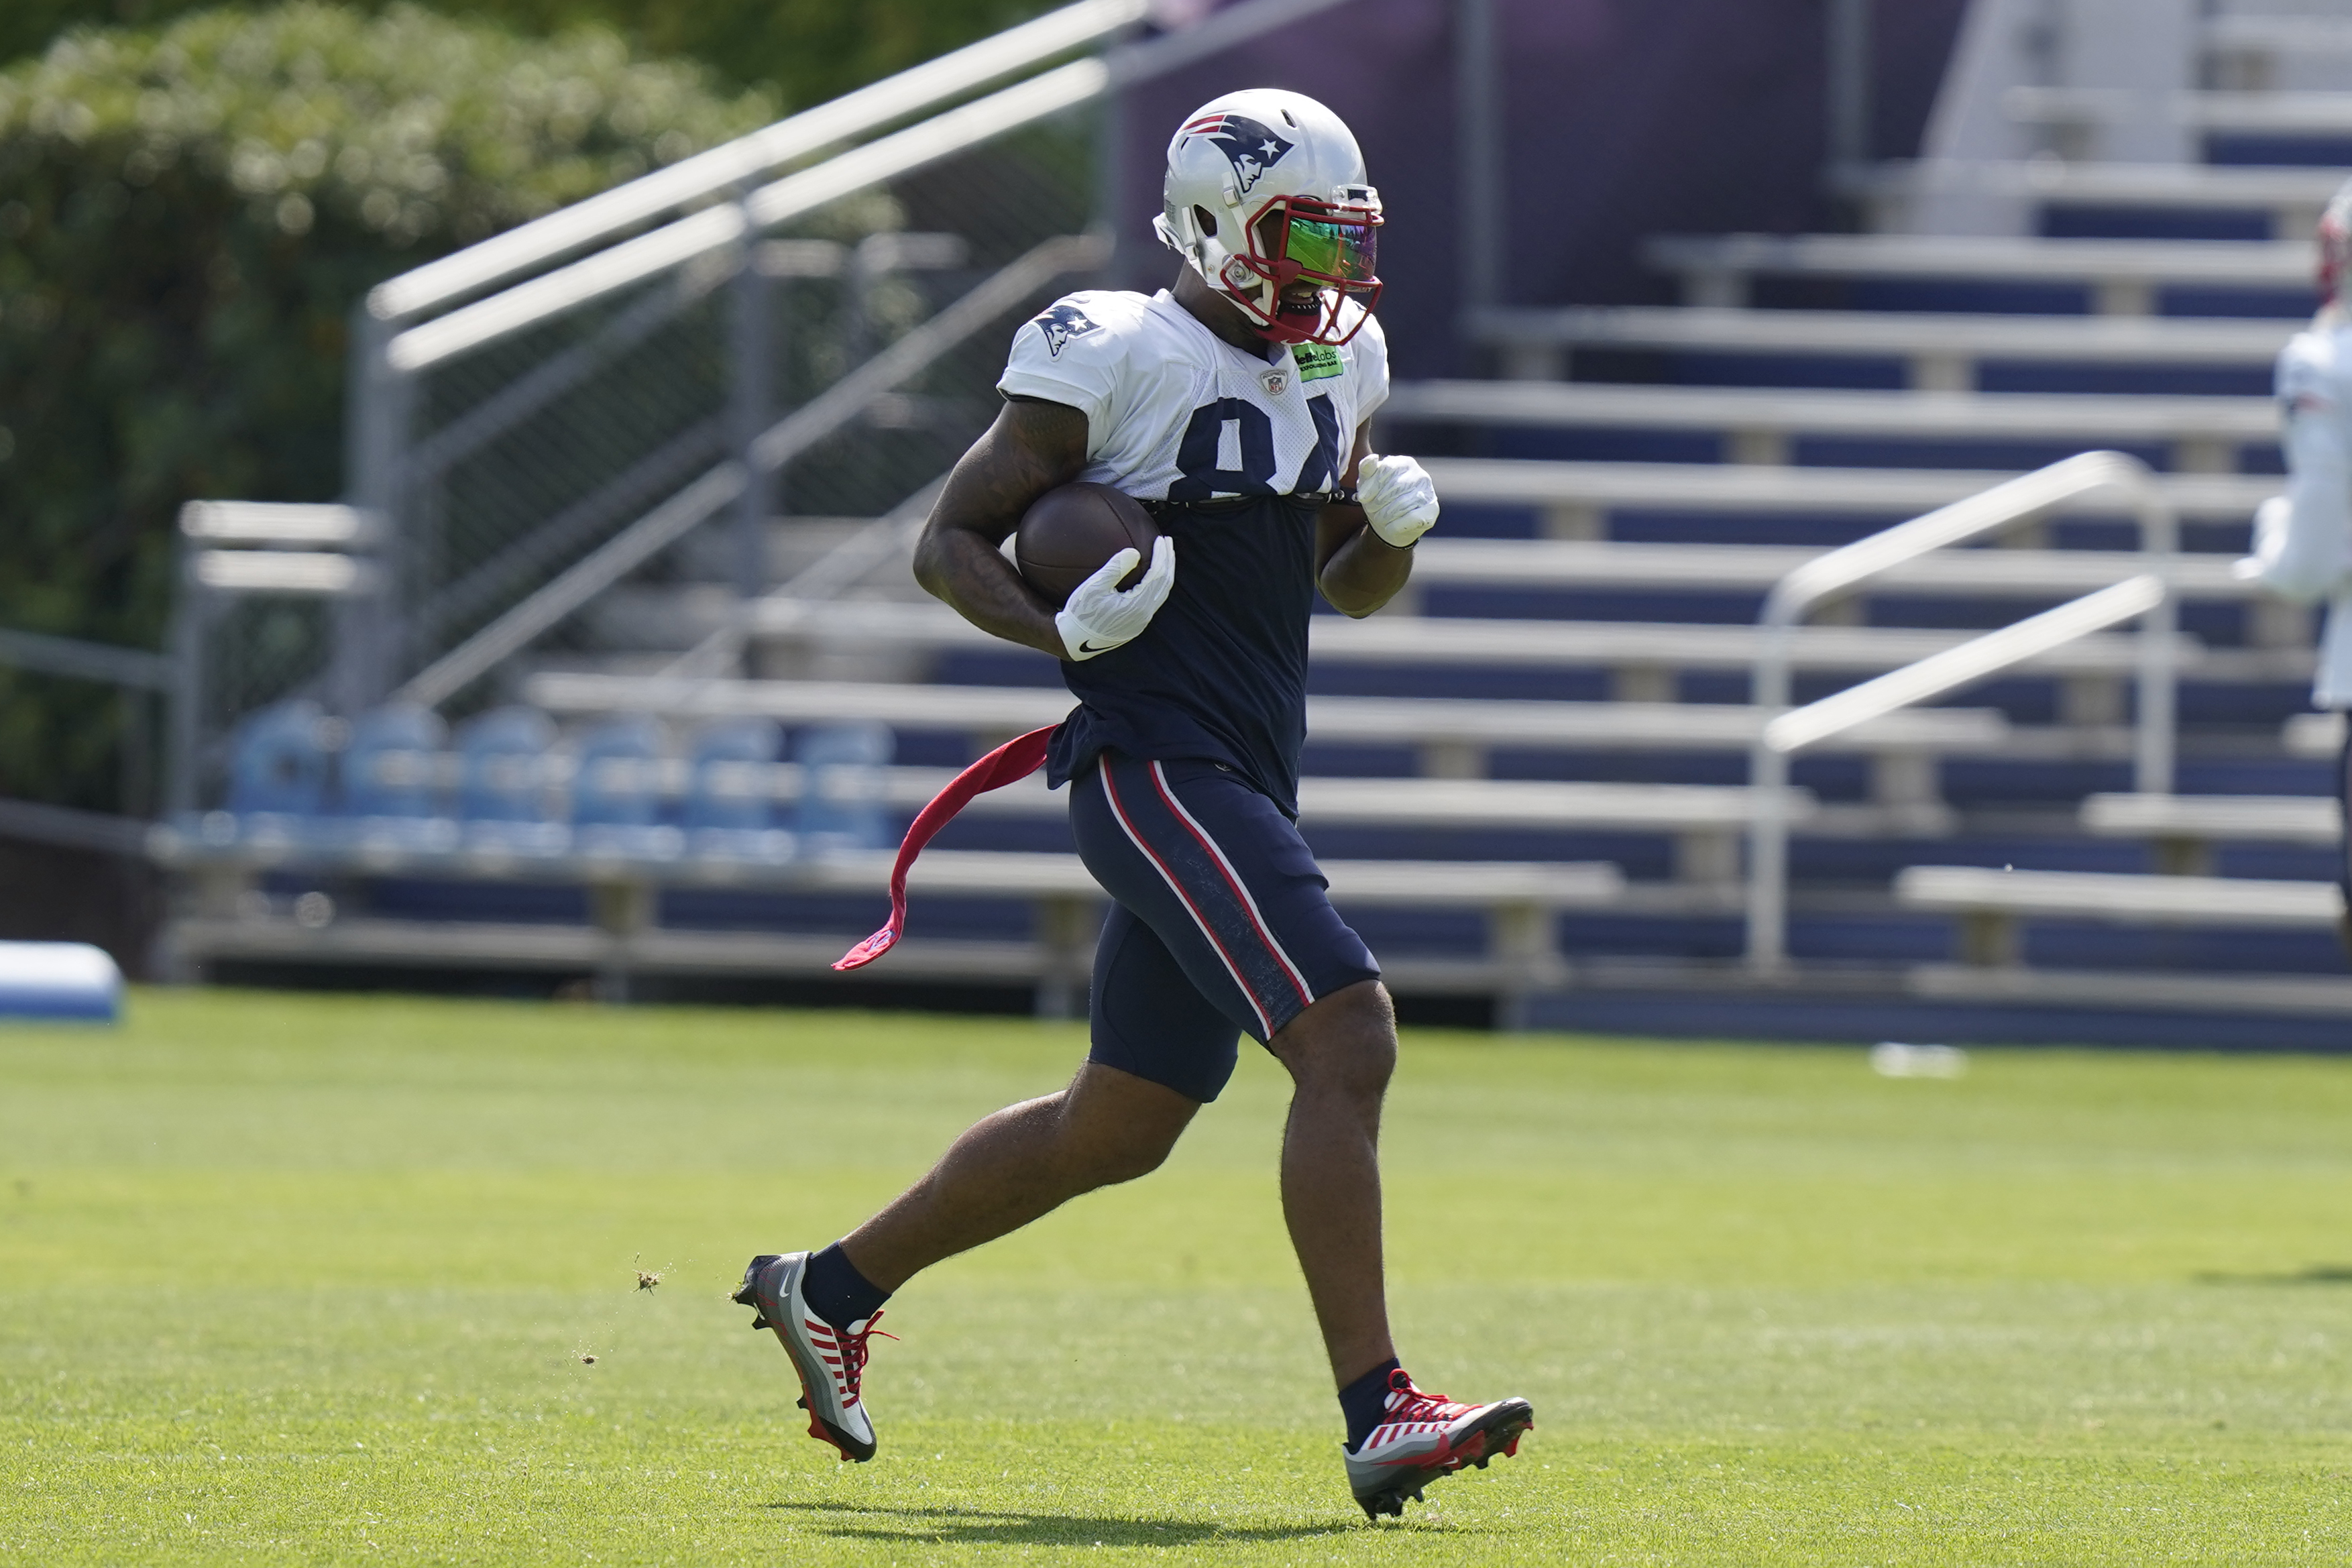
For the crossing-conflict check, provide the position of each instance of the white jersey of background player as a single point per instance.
(2302, 539)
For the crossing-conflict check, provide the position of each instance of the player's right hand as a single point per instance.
(1099, 617)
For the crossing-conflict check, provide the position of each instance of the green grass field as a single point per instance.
(298, 1278)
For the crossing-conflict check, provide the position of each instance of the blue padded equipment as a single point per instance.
(502, 756)
(729, 791)
(277, 765)
(58, 980)
(502, 778)
(388, 768)
(616, 793)
(721, 790)
(618, 783)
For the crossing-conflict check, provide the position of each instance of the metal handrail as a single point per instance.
(2002, 507)
(725, 167)
(80, 660)
(787, 439)
(958, 130)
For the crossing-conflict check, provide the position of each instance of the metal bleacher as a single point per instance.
(2097, 301)
(1531, 775)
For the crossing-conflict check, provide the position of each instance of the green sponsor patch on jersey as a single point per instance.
(1316, 361)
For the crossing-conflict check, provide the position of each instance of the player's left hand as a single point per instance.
(1399, 497)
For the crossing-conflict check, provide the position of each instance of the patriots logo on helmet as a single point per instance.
(1062, 323)
(1250, 147)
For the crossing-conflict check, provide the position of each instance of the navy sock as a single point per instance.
(1365, 1401)
(838, 1292)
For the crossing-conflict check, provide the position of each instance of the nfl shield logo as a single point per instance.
(1275, 382)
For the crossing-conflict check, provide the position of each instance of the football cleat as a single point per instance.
(1423, 1437)
(829, 1360)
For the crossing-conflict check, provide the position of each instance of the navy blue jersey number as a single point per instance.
(1320, 471)
(1197, 457)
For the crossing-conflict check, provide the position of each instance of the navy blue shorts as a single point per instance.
(1221, 926)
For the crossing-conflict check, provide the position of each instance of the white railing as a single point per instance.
(732, 166)
(778, 445)
(723, 169)
(568, 288)
(2146, 596)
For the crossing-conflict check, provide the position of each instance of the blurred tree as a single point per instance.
(186, 216)
(809, 50)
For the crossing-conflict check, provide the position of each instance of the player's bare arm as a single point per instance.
(1357, 569)
(1032, 447)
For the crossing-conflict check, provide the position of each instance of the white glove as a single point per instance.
(1099, 617)
(1399, 497)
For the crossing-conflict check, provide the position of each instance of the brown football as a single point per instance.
(1067, 534)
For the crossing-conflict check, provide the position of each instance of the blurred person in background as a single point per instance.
(2302, 539)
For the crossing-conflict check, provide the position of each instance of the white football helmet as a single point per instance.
(1265, 187)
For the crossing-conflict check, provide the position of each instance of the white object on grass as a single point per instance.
(1891, 1058)
(58, 980)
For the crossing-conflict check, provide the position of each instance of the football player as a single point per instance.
(2302, 539)
(1236, 407)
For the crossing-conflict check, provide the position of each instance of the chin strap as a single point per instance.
(1291, 326)
(1009, 764)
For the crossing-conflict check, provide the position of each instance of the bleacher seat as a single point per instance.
(2186, 829)
(1942, 351)
(1992, 903)
(2120, 277)
(1764, 500)
(1766, 424)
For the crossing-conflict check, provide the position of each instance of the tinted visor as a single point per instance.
(1342, 253)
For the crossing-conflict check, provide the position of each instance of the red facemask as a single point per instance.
(1298, 239)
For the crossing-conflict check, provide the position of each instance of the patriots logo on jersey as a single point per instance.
(1251, 148)
(1062, 323)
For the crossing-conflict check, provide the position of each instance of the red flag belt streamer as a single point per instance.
(1009, 764)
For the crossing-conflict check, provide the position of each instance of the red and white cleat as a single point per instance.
(1426, 1436)
(830, 1360)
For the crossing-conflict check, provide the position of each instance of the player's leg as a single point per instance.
(1159, 1051)
(1024, 1161)
(1233, 892)
(1214, 868)
(1149, 1073)
(1340, 1053)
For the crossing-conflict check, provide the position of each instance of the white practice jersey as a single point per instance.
(1175, 413)
(2303, 540)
